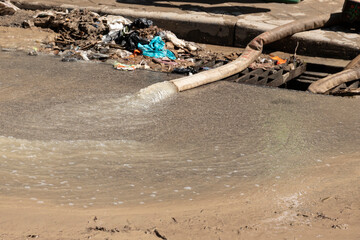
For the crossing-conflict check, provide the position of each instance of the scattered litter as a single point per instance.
(118, 25)
(84, 56)
(187, 71)
(33, 52)
(137, 52)
(156, 49)
(263, 62)
(130, 41)
(278, 60)
(179, 42)
(123, 53)
(124, 67)
(143, 65)
(172, 38)
(142, 23)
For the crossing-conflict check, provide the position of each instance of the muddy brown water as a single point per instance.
(78, 135)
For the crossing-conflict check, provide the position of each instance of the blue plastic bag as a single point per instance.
(156, 49)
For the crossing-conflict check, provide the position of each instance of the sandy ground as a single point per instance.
(27, 39)
(322, 205)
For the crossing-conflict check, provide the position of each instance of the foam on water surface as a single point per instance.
(157, 92)
(133, 103)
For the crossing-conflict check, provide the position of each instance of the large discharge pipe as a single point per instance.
(254, 50)
(350, 15)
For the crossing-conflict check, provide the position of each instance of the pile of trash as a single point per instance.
(85, 35)
(81, 29)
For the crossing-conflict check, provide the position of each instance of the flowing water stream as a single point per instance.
(85, 135)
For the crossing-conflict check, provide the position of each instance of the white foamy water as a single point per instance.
(130, 110)
(133, 103)
(157, 92)
(142, 100)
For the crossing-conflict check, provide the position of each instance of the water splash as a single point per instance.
(145, 98)
(157, 92)
(122, 107)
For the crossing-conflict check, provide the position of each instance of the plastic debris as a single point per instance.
(122, 53)
(173, 38)
(84, 55)
(124, 67)
(206, 68)
(117, 25)
(142, 23)
(156, 49)
(136, 52)
(278, 60)
(143, 65)
(131, 41)
(33, 52)
(188, 71)
(178, 42)
(267, 62)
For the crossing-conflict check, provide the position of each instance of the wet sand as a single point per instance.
(79, 160)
